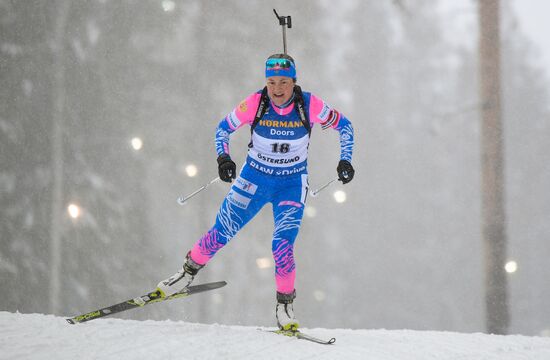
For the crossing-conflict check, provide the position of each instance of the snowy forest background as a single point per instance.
(404, 250)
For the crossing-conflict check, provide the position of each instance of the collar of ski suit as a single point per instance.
(285, 108)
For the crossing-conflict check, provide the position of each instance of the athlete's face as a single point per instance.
(279, 89)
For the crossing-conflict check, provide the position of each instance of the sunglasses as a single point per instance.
(278, 64)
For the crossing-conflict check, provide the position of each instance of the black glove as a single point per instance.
(345, 171)
(226, 168)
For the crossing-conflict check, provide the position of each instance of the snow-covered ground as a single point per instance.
(36, 336)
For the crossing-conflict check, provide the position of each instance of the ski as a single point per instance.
(300, 335)
(149, 298)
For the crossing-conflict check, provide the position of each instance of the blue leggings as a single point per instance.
(248, 194)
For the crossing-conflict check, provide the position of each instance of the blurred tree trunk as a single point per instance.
(59, 98)
(493, 214)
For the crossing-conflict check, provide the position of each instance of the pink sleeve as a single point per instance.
(244, 113)
(320, 112)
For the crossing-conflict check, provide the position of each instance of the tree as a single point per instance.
(88, 106)
(493, 220)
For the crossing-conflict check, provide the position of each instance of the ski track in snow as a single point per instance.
(37, 336)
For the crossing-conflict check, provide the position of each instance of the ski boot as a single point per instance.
(181, 279)
(285, 312)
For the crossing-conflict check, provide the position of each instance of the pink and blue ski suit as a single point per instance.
(275, 171)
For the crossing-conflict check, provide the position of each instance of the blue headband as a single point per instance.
(280, 67)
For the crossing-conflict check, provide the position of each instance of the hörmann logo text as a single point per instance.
(276, 123)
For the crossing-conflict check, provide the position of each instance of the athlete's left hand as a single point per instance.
(345, 171)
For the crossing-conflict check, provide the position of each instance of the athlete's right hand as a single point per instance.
(226, 168)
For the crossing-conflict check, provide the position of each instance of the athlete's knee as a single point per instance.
(228, 223)
(288, 230)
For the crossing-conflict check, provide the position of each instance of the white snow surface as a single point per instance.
(37, 336)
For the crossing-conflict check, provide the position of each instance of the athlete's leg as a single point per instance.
(241, 204)
(288, 210)
(243, 201)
